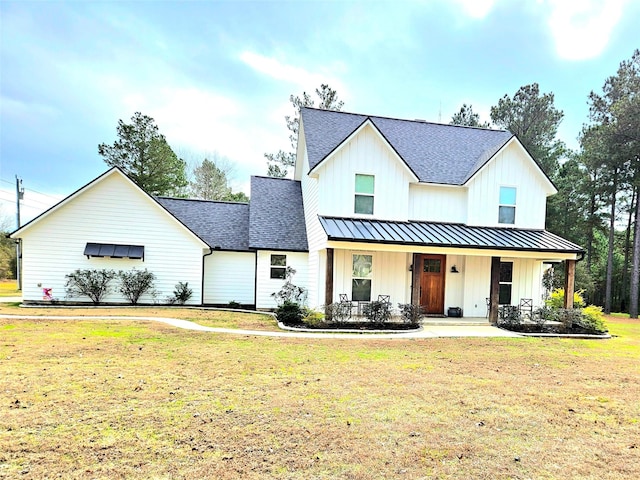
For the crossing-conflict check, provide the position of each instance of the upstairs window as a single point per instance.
(507, 208)
(278, 266)
(361, 278)
(365, 187)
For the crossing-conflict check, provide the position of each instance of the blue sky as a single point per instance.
(216, 76)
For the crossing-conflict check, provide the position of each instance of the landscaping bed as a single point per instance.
(363, 325)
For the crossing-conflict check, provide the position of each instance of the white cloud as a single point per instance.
(477, 9)
(581, 28)
(302, 78)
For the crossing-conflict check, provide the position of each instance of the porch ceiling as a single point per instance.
(445, 235)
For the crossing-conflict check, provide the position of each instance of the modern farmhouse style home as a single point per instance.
(439, 215)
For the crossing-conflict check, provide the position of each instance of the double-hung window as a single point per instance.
(361, 278)
(365, 188)
(278, 266)
(507, 207)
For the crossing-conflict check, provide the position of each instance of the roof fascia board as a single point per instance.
(352, 135)
(468, 251)
(112, 171)
(552, 188)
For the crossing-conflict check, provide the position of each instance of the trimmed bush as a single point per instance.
(377, 312)
(289, 313)
(338, 312)
(135, 283)
(593, 319)
(411, 313)
(94, 284)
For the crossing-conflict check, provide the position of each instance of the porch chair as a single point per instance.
(526, 307)
(385, 299)
(346, 303)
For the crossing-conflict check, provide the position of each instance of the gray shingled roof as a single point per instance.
(219, 224)
(276, 215)
(453, 235)
(436, 153)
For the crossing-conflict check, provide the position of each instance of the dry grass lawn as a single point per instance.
(121, 399)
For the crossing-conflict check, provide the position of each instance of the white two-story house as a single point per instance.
(437, 215)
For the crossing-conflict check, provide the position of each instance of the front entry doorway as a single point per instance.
(432, 269)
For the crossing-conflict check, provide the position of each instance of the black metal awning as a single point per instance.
(114, 250)
(450, 235)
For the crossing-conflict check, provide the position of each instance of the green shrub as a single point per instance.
(377, 312)
(289, 313)
(313, 318)
(338, 312)
(135, 283)
(181, 293)
(593, 319)
(556, 299)
(289, 292)
(411, 313)
(234, 305)
(94, 284)
(509, 316)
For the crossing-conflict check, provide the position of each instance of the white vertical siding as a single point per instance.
(437, 204)
(527, 280)
(510, 168)
(477, 280)
(265, 285)
(454, 282)
(230, 276)
(110, 211)
(390, 275)
(316, 237)
(366, 154)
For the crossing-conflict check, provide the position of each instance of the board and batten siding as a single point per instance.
(112, 210)
(509, 168)
(437, 203)
(265, 285)
(390, 275)
(367, 154)
(230, 277)
(316, 236)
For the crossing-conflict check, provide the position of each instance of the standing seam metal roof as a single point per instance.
(452, 235)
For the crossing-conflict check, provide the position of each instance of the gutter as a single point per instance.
(202, 279)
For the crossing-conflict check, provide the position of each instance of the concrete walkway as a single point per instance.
(428, 331)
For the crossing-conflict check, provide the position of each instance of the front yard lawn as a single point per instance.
(122, 399)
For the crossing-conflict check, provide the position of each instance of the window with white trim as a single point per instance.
(365, 188)
(278, 266)
(507, 205)
(362, 268)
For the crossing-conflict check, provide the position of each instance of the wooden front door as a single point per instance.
(432, 269)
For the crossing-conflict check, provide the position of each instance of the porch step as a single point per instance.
(451, 321)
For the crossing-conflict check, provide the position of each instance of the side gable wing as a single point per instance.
(115, 171)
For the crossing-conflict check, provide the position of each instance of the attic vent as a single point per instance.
(114, 251)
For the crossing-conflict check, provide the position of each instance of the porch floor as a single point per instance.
(450, 321)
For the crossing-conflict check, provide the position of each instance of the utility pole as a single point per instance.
(19, 196)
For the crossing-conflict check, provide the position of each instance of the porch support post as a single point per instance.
(328, 281)
(415, 279)
(494, 290)
(569, 282)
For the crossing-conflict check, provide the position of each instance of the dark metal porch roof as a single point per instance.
(448, 235)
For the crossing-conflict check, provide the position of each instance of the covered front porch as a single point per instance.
(476, 277)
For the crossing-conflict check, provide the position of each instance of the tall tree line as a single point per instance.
(598, 185)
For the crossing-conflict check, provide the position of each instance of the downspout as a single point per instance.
(202, 280)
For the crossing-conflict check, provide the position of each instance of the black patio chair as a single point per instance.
(526, 307)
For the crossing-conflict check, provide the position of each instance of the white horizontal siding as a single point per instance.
(437, 204)
(265, 285)
(510, 168)
(366, 154)
(230, 276)
(110, 211)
